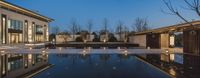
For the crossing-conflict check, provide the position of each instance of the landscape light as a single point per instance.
(30, 48)
(104, 40)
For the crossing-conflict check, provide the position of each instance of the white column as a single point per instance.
(47, 33)
(30, 33)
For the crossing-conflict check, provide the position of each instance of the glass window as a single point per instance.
(38, 28)
(15, 24)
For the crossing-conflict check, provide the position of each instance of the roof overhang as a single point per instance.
(21, 10)
(172, 28)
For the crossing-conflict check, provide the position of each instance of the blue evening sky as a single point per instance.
(63, 11)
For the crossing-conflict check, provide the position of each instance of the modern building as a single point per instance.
(20, 25)
(181, 36)
(61, 38)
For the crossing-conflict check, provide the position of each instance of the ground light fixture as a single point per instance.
(167, 52)
(104, 40)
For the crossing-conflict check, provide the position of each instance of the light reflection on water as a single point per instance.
(111, 63)
(99, 66)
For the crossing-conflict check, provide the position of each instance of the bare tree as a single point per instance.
(74, 28)
(84, 34)
(119, 29)
(105, 25)
(192, 5)
(89, 25)
(126, 32)
(141, 24)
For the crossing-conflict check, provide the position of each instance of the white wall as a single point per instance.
(138, 39)
(60, 38)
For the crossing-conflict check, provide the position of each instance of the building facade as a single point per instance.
(170, 37)
(20, 25)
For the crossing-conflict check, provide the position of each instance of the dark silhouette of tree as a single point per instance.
(105, 29)
(126, 33)
(75, 28)
(112, 38)
(119, 30)
(90, 25)
(52, 36)
(96, 37)
(141, 24)
(84, 34)
(192, 5)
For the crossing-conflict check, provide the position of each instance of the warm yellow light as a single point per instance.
(84, 51)
(2, 51)
(29, 56)
(125, 51)
(172, 57)
(30, 48)
(3, 72)
(172, 72)
(104, 40)
(167, 51)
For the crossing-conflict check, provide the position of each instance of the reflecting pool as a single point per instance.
(99, 66)
(102, 65)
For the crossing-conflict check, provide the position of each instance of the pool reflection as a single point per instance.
(100, 65)
(177, 65)
(18, 65)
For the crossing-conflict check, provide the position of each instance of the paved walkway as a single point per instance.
(90, 51)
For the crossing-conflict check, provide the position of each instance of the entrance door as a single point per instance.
(191, 38)
(14, 38)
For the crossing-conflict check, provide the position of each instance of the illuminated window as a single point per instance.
(15, 24)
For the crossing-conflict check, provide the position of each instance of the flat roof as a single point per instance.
(176, 27)
(24, 11)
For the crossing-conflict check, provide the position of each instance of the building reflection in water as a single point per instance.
(177, 65)
(16, 65)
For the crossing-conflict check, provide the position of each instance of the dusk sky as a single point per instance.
(114, 10)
